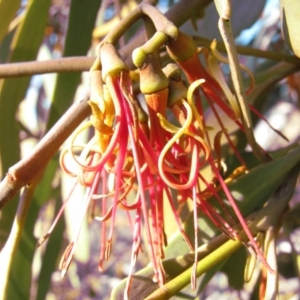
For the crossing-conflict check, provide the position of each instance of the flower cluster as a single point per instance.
(152, 142)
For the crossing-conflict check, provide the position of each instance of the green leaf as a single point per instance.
(20, 276)
(209, 275)
(253, 189)
(269, 73)
(8, 11)
(234, 268)
(27, 41)
(51, 256)
(5, 46)
(290, 23)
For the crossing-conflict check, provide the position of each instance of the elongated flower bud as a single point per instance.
(152, 78)
(172, 71)
(181, 49)
(154, 85)
(177, 92)
(177, 89)
(111, 61)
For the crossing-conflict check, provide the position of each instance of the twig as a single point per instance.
(65, 64)
(224, 10)
(30, 168)
(83, 63)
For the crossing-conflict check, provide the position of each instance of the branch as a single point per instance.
(224, 9)
(30, 168)
(65, 64)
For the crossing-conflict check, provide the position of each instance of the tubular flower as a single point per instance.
(153, 148)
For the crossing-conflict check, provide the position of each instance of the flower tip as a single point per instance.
(139, 57)
(66, 259)
(172, 71)
(108, 249)
(100, 267)
(42, 240)
(172, 31)
(213, 44)
(63, 273)
(193, 87)
(194, 276)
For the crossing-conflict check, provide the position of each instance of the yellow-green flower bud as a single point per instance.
(177, 92)
(172, 71)
(152, 78)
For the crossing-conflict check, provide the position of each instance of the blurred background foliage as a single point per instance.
(30, 106)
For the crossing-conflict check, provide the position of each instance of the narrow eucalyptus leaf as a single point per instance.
(8, 11)
(25, 46)
(22, 263)
(234, 269)
(290, 23)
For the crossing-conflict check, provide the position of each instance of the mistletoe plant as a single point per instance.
(155, 153)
